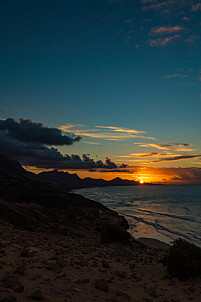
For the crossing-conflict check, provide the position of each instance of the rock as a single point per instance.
(121, 274)
(147, 300)
(123, 294)
(8, 299)
(82, 281)
(2, 252)
(101, 284)
(20, 270)
(26, 253)
(105, 264)
(191, 289)
(132, 265)
(37, 295)
(115, 233)
(2, 245)
(13, 283)
(19, 289)
(151, 291)
(134, 276)
(113, 299)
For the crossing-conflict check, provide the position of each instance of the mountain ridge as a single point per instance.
(74, 181)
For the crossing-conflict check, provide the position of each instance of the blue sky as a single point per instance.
(127, 64)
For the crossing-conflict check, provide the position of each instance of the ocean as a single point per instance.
(161, 212)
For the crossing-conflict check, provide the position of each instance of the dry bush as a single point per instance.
(183, 260)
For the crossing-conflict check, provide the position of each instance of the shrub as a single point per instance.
(183, 260)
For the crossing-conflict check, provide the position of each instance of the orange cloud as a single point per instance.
(119, 129)
(166, 29)
(196, 7)
(164, 41)
(156, 6)
(174, 158)
(175, 75)
(109, 133)
(151, 154)
(192, 39)
(170, 146)
(90, 143)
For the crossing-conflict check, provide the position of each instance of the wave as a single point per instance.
(187, 218)
(169, 211)
(159, 227)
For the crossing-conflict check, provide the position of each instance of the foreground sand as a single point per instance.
(76, 267)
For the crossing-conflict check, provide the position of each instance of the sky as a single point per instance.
(117, 81)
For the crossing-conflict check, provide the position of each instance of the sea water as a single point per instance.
(155, 211)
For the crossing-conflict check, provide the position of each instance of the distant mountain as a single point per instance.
(74, 181)
(59, 178)
(31, 202)
(10, 165)
(71, 180)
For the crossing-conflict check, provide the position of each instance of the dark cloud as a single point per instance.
(151, 154)
(169, 146)
(187, 174)
(31, 144)
(74, 162)
(113, 171)
(30, 132)
(176, 157)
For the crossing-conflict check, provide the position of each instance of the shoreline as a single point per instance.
(153, 243)
(148, 230)
(148, 241)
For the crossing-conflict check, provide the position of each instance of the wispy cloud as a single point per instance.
(175, 76)
(70, 126)
(166, 29)
(166, 6)
(90, 143)
(174, 158)
(150, 154)
(159, 156)
(163, 41)
(119, 129)
(196, 7)
(107, 132)
(170, 146)
(154, 157)
(140, 155)
(186, 18)
(154, 5)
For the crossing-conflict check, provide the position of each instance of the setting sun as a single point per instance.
(141, 181)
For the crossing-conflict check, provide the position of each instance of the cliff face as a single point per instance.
(30, 202)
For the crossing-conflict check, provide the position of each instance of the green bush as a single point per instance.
(183, 260)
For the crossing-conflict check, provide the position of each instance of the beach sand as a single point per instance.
(38, 266)
(153, 243)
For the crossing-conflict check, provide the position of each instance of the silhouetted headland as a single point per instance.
(75, 182)
(59, 246)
